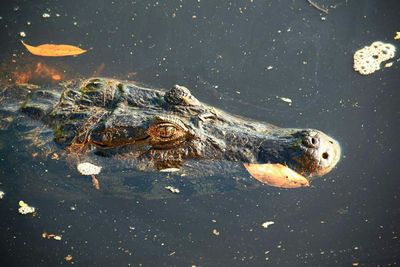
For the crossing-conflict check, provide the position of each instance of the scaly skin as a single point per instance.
(167, 129)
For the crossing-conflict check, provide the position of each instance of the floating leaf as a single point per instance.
(54, 50)
(277, 175)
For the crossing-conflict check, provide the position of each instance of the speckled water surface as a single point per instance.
(241, 56)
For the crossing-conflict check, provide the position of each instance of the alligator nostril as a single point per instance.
(325, 155)
(313, 141)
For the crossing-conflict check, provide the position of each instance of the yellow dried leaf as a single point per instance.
(54, 50)
(277, 175)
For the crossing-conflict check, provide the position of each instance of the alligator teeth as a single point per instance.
(277, 175)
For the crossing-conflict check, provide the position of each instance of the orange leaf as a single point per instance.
(277, 175)
(52, 50)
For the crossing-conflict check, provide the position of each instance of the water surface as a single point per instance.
(222, 51)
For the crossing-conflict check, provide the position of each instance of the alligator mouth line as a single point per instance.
(277, 175)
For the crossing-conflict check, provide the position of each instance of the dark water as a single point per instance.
(217, 49)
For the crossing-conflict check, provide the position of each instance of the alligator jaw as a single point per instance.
(277, 175)
(291, 160)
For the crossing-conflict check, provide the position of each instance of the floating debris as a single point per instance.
(170, 170)
(87, 168)
(368, 59)
(2, 194)
(287, 100)
(267, 224)
(25, 208)
(216, 232)
(22, 34)
(95, 182)
(45, 15)
(51, 236)
(172, 189)
(68, 257)
(322, 9)
(388, 65)
(397, 36)
(269, 68)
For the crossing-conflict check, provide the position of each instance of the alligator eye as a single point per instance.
(162, 133)
(166, 131)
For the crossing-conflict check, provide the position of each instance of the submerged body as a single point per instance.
(170, 130)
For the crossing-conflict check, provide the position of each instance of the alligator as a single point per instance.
(170, 130)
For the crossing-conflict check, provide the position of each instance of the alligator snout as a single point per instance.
(323, 152)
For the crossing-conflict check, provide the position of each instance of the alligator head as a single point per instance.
(165, 130)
